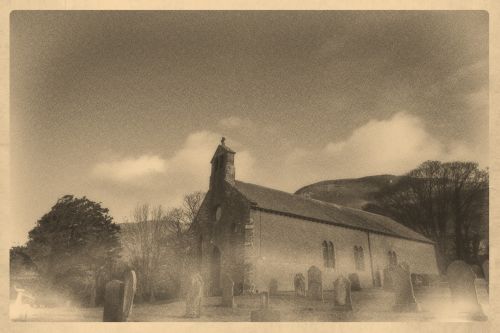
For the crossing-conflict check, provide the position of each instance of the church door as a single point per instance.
(215, 273)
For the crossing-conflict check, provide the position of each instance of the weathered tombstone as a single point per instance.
(227, 292)
(387, 279)
(264, 314)
(194, 296)
(403, 289)
(355, 284)
(463, 290)
(342, 293)
(314, 283)
(129, 288)
(299, 283)
(113, 301)
(273, 287)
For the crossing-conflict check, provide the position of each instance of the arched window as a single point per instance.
(331, 255)
(325, 254)
(328, 254)
(359, 258)
(393, 258)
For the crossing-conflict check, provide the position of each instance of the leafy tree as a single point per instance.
(73, 244)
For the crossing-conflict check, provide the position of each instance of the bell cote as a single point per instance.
(222, 165)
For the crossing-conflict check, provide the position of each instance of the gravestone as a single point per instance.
(314, 283)
(342, 294)
(387, 279)
(299, 283)
(354, 279)
(227, 291)
(273, 287)
(403, 290)
(264, 314)
(463, 290)
(194, 296)
(129, 288)
(113, 301)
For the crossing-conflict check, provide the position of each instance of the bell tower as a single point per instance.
(222, 165)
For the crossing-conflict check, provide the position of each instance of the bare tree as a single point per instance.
(440, 200)
(146, 241)
(160, 238)
(179, 221)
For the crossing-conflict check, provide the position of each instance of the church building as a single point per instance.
(255, 234)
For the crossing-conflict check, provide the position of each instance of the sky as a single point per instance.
(128, 107)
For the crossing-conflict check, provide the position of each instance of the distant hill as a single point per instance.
(353, 193)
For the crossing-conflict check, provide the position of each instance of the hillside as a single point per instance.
(353, 193)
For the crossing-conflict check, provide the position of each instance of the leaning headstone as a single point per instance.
(227, 291)
(264, 314)
(463, 290)
(129, 288)
(403, 290)
(355, 284)
(299, 283)
(113, 301)
(314, 283)
(273, 287)
(194, 296)
(342, 294)
(387, 279)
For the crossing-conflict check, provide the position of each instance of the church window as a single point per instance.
(325, 253)
(359, 258)
(331, 255)
(328, 254)
(393, 258)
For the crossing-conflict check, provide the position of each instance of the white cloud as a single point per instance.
(165, 180)
(233, 122)
(391, 146)
(130, 169)
(395, 146)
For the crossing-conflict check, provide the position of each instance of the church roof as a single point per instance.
(297, 206)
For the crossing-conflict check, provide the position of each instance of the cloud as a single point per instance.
(395, 146)
(233, 122)
(165, 180)
(130, 169)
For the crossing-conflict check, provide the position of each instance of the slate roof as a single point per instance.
(319, 211)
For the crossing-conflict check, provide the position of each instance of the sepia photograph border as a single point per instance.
(491, 6)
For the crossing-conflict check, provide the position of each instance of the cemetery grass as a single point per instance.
(371, 305)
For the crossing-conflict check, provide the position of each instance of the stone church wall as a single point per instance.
(285, 246)
(420, 256)
(227, 235)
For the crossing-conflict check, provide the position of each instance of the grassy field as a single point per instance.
(369, 305)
